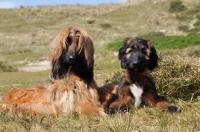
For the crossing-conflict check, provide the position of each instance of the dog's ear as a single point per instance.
(55, 71)
(86, 47)
(122, 57)
(153, 57)
(122, 53)
(89, 51)
(58, 45)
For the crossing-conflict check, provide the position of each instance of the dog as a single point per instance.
(64, 96)
(73, 88)
(72, 50)
(137, 86)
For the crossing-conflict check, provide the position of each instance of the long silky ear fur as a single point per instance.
(153, 62)
(88, 47)
(122, 52)
(122, 57)
(55, 71)
(58, 45)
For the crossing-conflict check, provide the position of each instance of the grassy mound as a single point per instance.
(178, 77)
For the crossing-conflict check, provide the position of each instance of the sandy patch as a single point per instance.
(33, 66)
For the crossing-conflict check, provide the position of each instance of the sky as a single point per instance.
(17, 3)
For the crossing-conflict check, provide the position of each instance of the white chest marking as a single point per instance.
(137, 92)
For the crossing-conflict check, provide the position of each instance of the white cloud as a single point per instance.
(7, 4)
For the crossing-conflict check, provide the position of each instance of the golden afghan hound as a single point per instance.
(67, 95)
(73, 88)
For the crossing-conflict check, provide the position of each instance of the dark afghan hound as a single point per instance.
(137, 86)
(72, 50)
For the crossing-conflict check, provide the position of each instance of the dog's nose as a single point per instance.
(135, 61)
(71, 57)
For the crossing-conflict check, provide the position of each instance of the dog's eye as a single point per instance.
(143, 50)
(129, 51)
(68, 41)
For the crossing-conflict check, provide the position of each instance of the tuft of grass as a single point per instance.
(176, 6)
(90, 21)
(105, 25)
(114, 77)
(184, 28)
(4, 67)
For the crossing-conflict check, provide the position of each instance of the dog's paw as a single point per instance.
(174, 109)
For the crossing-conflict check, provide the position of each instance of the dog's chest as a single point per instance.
(137, 93)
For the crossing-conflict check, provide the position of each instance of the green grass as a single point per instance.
(6, 68)
(177, 6)
(164, 42)
(9, 80)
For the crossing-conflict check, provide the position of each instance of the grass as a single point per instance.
(6, 68)
(143, 119)
(9, 80)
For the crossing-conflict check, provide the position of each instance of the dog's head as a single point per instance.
(138, 54)
(69, 44)
(72, 50)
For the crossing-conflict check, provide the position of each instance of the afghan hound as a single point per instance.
(67, 95)
(137, 86)
(73, 88)
(72, 50)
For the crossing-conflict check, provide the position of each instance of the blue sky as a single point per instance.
(17, 3)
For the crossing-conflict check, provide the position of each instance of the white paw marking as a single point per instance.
(137, 92)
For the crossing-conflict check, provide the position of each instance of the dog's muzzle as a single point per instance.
(136, 63)
(71, 58)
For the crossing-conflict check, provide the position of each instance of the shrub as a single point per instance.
(176, 6)
(178, 77)
(105, 25)
(114, 77)
(6, 68)
(184, 28)
(90, 21)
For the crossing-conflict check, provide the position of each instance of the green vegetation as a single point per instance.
(105, 25)
(177, 6)
(90, 21)
(192, 17)
(6, 68)
(114, 46)
(164, 42)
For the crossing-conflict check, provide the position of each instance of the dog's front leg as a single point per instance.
(151, 98)
(125, 99)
